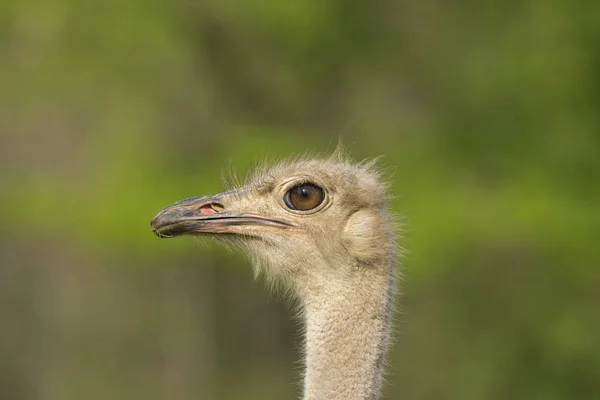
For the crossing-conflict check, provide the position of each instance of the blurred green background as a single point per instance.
(488, 118)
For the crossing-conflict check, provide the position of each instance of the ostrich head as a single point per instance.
(321, 227)
(301, 221)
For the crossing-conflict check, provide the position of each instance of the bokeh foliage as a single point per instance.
(486, 114)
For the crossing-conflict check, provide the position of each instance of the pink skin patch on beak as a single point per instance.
(207, 209)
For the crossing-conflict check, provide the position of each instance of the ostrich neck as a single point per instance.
(347, 336)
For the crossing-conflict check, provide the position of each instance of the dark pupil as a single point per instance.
(305, 197)
(305, 192)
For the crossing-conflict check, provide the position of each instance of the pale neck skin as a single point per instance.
(347, 335)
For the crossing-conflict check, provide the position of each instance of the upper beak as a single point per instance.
(206, 214)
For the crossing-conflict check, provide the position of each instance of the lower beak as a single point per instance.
(206, 214)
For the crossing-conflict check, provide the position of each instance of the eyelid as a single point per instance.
(286, 200)
(294, 181)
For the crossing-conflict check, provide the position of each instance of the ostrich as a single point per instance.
(321, 228)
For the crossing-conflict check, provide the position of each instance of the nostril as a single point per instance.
(211, 208)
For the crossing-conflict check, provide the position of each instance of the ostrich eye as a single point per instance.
(304, 197)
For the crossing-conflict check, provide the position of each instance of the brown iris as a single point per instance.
(304, 197)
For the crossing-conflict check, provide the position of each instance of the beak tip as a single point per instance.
(159, 234)
(156, 229)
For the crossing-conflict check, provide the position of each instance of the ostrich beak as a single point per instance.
(207, 214)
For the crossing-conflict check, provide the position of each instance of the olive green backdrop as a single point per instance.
(487, 115)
